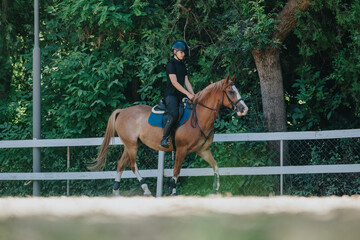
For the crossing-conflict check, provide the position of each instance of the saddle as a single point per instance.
(160, 108)
(159, 114)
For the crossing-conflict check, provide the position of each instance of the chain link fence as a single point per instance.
(323, 152)
(296, 153)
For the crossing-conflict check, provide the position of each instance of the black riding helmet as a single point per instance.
(181, 46)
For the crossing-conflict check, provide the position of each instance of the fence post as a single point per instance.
(68, 168)
(160, 175)
(281, 165)
(36, 99)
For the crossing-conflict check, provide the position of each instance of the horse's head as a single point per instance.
(233, 99)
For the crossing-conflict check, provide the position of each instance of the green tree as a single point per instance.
(14, 39)
(324, 88)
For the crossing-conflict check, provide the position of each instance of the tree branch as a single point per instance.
(286, 20)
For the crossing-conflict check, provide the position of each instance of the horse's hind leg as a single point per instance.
(134, 168)
(208, 157)
(119, 170)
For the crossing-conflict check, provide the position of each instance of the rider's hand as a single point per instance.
(190, 96)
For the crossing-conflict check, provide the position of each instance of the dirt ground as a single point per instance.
(216, 217)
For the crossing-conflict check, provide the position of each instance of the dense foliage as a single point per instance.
(101, 55)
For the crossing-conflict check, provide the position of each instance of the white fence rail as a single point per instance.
(161, 172)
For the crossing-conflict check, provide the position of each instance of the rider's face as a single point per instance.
(180, 54)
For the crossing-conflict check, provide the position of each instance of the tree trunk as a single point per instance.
(272, 91)
(134, 89)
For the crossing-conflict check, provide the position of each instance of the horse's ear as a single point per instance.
(233, 78)
(227, 78)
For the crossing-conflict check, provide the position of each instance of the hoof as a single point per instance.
(214, 192)
(172, 192)
(116, 193)
(146, 189)
(147, 194)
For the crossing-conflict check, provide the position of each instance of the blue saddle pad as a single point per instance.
(156, 119)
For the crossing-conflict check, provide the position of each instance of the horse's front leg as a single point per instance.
(179, 158)
(208, 157)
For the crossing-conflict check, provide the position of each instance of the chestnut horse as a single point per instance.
(196, 135)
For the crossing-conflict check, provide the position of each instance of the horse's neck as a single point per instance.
(206, 117)
(211, 100)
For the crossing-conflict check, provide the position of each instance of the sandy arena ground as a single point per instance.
(180, 217)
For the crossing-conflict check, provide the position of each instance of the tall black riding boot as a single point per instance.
(165, 142)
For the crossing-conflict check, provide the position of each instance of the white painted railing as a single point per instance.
(161, 172)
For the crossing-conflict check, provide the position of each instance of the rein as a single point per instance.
(195, 121)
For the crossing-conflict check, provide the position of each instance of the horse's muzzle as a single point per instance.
(241, 108)
(241, 111)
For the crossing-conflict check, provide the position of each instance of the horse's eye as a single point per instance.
(232, 92)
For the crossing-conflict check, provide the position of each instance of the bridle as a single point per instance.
(233, 104)
(194, 119)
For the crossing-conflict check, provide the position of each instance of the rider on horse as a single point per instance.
(177, 80)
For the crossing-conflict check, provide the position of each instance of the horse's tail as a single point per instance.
(100, 161)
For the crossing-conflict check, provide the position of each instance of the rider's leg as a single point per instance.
(165, 140)
(172, 105)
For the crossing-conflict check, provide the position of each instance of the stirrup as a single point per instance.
(165, 143)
